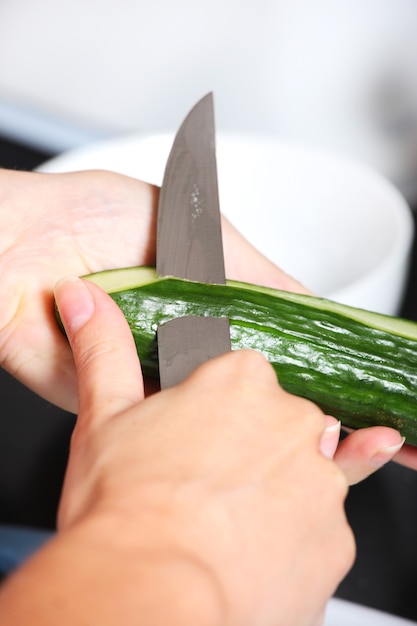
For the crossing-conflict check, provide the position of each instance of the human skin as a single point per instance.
(54, 225)
(208, 503)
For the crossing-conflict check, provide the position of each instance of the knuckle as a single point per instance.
(310, 419)
(350, 547)
(336, 479)
(333, 507)
(346, 547)
(236, 369)
(102, 348)
(252, 364)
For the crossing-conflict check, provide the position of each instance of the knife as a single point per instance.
(189, 243)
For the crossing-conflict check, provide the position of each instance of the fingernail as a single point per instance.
(330, 439)
(333, 428)
(75, 302)
(384, 455)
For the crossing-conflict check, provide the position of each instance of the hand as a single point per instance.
(364, 451)
(53, 225)
(223, 472)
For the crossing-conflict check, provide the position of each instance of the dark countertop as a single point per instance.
(34, 438)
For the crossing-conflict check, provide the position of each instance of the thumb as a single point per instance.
(108, 370)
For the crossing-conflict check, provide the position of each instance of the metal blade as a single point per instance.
(185, 343)
(189, 241)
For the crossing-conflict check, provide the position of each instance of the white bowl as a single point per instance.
(341, 228)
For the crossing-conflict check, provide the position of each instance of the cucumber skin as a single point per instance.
(360, 374)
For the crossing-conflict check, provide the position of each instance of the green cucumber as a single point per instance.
(359, 366)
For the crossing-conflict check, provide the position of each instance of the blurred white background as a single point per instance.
(338, 73)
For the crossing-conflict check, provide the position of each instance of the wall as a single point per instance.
(336, 73)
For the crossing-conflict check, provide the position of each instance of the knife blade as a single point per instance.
(189, 242)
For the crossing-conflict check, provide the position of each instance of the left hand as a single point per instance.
(53, 225)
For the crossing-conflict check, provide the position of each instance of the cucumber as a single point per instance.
(359, 366)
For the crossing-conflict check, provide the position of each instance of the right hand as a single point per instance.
(224, 470)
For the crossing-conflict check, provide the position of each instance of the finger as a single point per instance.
(330, 437)
(366, 450)
(407, 456)
(240, 367)
(108, 369)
